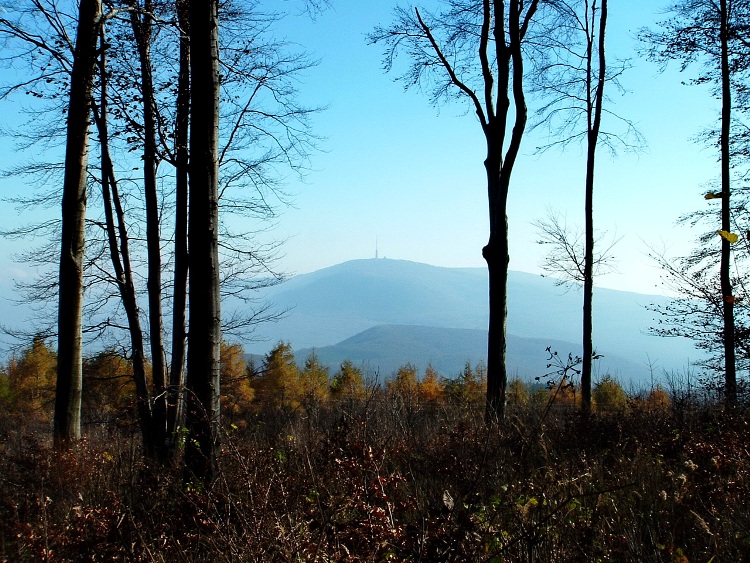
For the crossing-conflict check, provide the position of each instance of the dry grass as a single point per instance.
(380, 480)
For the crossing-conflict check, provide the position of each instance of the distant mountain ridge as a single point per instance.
(336, 310)
(385, 348)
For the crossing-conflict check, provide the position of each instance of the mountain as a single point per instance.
(332, 306)
(335, 303)
(385, 348)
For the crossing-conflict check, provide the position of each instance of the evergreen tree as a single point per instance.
(348, 383)
(236, 391)
(31, 381)
(279, 384)
(431, 389)
(314, 383)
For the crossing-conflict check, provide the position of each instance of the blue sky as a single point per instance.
(410, 175)
(396, 169)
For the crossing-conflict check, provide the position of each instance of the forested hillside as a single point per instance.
(333, 310)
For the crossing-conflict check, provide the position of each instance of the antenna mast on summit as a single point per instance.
(376, 248)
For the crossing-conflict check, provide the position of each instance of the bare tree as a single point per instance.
(474, 51)
(570, 75)
(265, 134)
(141, 21)
(566, 250)
(697, 311)
(119, 250)
(714, 33)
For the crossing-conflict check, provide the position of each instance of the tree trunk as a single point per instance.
(204, 335)
(497, 256)
(499, 170)
(594, 115)
(67, 419)
(500, 52)
(142, 31)
(121, 258)
(730, 381)
(179, 299)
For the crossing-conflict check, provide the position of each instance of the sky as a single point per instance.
(409, 175)
(395, 172)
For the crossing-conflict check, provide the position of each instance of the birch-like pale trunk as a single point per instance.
(67, 418)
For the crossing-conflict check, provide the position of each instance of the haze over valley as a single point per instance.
(385, 313)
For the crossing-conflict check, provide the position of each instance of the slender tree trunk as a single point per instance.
(588, 299)
(204, 335)
(67, 419)
(726, 283)
(179, 300)
(588, 259)
(120, 257)
(594, 115)
(142, 31)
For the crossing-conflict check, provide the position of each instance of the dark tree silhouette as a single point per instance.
(570, 73)
(146, 112)
(141, 21)
(474, 51)
(204, 335)
(119, 251)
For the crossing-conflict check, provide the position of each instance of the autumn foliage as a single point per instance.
(236, 390)
(30, 381)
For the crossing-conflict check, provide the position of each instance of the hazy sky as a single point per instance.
(410, 175)
(396, 169)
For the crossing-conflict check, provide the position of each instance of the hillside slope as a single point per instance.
(385, 348)
(329, 306)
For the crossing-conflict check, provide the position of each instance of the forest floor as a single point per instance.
(385, 480)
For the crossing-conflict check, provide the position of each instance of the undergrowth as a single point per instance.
(377, 482)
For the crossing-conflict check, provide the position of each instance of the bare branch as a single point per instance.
(565, 258)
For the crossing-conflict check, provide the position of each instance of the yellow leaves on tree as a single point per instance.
(431, 388)
(348, 383)
(31, 380)
(563, 393)
(657, 400)
(279, 383)
(236, 390)
(314, 383)
(283, 384)
(404, 384)
(107, 385)
(609, 396)
(518, 393)
(5, 393)
(470, 386)
(731, 237)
